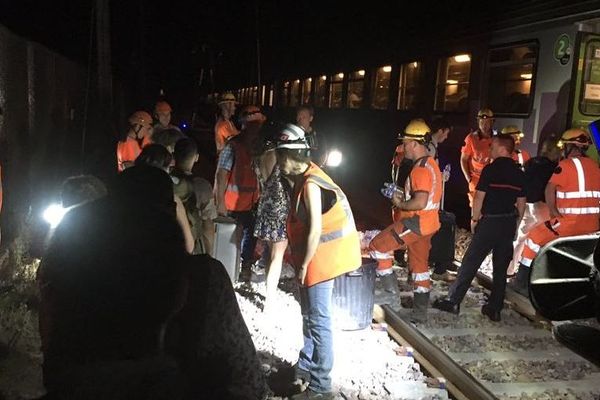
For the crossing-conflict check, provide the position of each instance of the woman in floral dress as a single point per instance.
(271, 214)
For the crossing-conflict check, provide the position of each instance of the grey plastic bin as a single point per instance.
(353, 297)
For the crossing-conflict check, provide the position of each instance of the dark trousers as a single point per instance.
(246, 220)
(495, 234)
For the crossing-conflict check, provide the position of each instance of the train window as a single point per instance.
(306, 86)
(263, 95)
(589, 103)
(284, 94)
(380, 97)
(254, 95)
(295, 93)
(270, 95)
(511, 74)
(335, 90)
(320, 91)
(408, 87)
(356, 85)
(452, 90)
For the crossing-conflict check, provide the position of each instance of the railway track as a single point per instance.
(514, 359)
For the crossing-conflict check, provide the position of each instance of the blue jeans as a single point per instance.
(316, 356)
(246, 220)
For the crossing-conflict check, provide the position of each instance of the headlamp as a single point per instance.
(54, 214)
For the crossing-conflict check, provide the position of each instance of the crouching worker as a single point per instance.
(418, 204)
(324, 244)
(116, 281)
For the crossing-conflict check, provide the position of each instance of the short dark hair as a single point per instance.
(79, 189)
(506, 141)
(438, 123)
(185, 150)
(155, 155)
(167, 137)
(299, 155)
(306, 107)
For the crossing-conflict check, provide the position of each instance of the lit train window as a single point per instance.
(271, 95)
(320, 91)
(589, 103)
(254, 95)
(380, 97)
(306, 86)
(284, 94)
(452, 90)
(335, 90)
(408, 87)
(510, 76)
(263, 95)
(356, 86)
(295, 93)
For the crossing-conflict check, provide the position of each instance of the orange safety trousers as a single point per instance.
(397, 236)
(554, 229)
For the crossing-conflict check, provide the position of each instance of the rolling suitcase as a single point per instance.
(227, 245)
(441, 255)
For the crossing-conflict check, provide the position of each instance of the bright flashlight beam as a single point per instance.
(54, 214)
(334, 158)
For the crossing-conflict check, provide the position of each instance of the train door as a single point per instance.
(586, 92)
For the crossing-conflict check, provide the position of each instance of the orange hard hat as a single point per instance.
(140, 118)
(162, 107)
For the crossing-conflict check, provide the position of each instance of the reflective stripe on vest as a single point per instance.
(238, 189)
(580, 210)
(520, 158)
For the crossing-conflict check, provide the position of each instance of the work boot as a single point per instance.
(446, 305)
(390, 283)
(521, 282)
(310, 394)
(420, 306)
(446, 277)
(492, 314)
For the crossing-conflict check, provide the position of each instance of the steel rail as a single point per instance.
(460, 383)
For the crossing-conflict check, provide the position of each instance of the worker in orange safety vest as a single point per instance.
(419, 204)
(140, 127)
(475, 153)
(236, 184)
(324, 244)
(573, 199)
(520, 156)
(224, 128)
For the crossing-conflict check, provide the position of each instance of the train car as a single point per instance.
(539, 71)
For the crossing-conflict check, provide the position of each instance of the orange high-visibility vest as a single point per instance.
(224, 130)
(242, 186)
(339, 246)
(478, 148)
(127, 151)
(578, 190)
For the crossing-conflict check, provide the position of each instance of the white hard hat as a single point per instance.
(292, 137)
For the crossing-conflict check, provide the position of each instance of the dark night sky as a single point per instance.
(296, 36)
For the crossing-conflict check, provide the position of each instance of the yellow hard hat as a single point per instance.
(140, 118)
(512, 130)
(417, 129)
(485, 113)
(226, 98)
(162, 107)
(576, 136)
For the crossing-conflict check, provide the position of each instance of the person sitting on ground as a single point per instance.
(127, 314)
(196, 194)
(157, 155)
